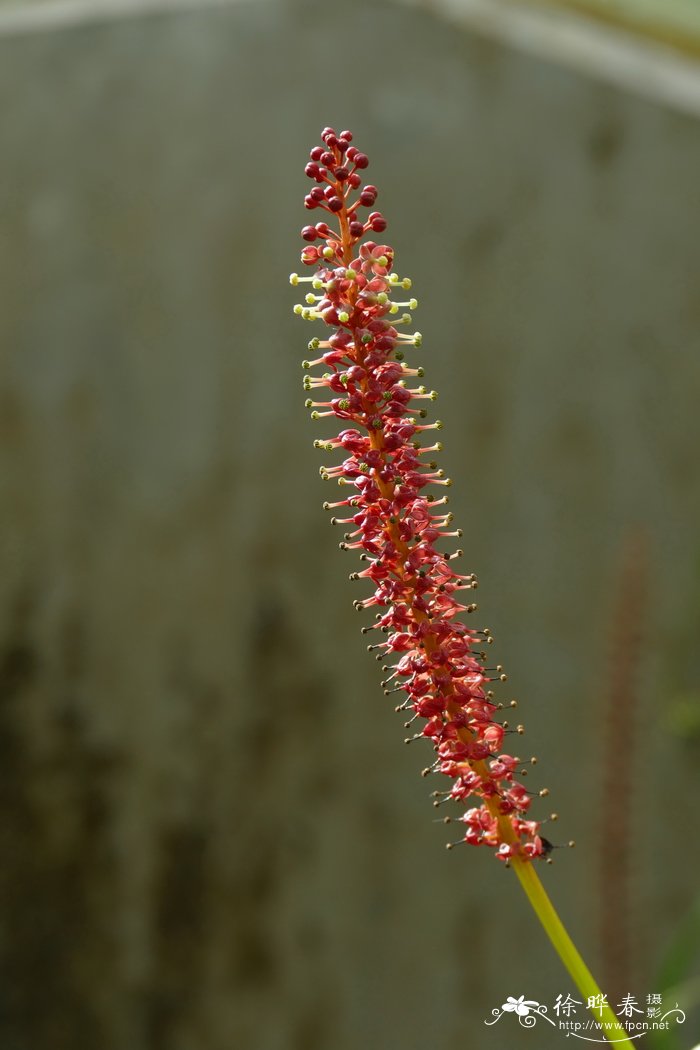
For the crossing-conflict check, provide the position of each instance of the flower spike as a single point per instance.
(438, 664)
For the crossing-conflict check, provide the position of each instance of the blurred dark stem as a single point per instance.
(619, 739)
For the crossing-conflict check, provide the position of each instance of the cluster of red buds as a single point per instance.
(431, 656)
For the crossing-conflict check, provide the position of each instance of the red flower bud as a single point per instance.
(377, 222)
(310, 256)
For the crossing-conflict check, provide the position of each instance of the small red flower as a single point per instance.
(418, 597)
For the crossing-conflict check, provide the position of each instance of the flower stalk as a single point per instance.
(393, 508)
(569, 954)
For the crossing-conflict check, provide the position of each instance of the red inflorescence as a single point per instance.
(438, 660)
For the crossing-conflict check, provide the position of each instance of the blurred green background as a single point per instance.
(671, 22)
(212, 836)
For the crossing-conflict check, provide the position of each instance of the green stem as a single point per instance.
(567, 951)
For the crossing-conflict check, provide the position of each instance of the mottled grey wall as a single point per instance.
(212, 836)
